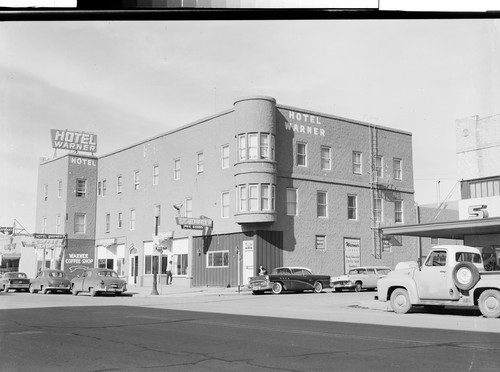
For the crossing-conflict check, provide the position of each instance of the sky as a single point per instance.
(129, 81)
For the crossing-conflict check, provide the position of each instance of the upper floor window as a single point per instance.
(322, 204)
(177, 169)
(99, 188)
(255, 197)
(80, 223)
(188, 210)
(199, 162)
(398, 211)
(58, 224)
(104, 187)
(397, 166)
(44, 225)
(136, 180)
(254, 146)
(59, 189)
(267, 197)
(119, 182)
(301, 154)
(224, 209)
(81, 188)
(107, 223)
(224, 154)
(484, 189)
(120, 220)
(356, 162)
(131, 220)
(291, 202)
(156, 174)
(352, 207)
(157, 213)
(326, 158)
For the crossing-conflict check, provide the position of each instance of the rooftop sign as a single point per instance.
(75, 141)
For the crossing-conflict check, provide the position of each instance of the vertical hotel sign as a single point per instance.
(73, 141)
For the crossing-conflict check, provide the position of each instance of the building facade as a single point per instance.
(258, 184)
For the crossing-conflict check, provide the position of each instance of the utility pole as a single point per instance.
(155, 264)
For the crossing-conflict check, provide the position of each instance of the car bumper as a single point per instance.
(111, 289)
(260, 287)
(58, 288)
(17, 286)
(343, 285)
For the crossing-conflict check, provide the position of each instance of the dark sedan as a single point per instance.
(297, 279)
(50, 281)
(16, 281)
(97, 281)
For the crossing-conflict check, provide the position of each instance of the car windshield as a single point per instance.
(301, 272)
(356, 271)
(108, 273)
(56, 274)
(16, 275)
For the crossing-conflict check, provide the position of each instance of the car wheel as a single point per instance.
(43, 290)
(93, 292)
(257, 292)
(318, 287)
(465, 275)
(32, 289)
(277, 288)
(74, 291)
(489, 303)
(338, 289)
(358, 287)
(400, 301)
(5, 289)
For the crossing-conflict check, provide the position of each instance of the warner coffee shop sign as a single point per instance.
(73, 141)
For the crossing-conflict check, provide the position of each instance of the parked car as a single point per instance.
(14, 280)
(50, 281)
(359, 278)
(97, 281)
(296, 279)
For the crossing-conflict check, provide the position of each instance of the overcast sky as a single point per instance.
(128, 81)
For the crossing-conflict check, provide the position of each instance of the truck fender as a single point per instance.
(410, 287)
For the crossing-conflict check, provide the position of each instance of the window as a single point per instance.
(131, 220)
(483, 189)
(151, 260)
(119, 182)
(58, 224)
(103, 187)
(224, 201)
(179, 264)
(242, 146)
(59, 189)
(301, 154)
(243, 197)
(81, 188)
(136, 180)
(267, 197)
(224, 154)
(120, 220)
(253, 197)
(199, 162)
(379, 166)
(218, 259)
(156, 174)
(397, 166)
(79, 223)
(352, 207)
(44, 225)
(253, 144)
(157, 212)
(326, 158)
(177, 169)
(398, 211)
(188, 210)
(356, 162)
(264, 146)
(107, 222)
(320, 242)
(321, 204)
(377, 209)
(99, 188)
(256, 197)
(291, 202)
(436, 258)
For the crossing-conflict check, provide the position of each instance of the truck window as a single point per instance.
(467, 257)
(436, 258)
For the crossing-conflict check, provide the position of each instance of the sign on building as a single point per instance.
(73, 141)
(352, 253)
(194, 223)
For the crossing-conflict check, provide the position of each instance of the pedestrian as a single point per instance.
(169, 272)
(262, 270)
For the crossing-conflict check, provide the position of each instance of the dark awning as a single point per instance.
(448, 230)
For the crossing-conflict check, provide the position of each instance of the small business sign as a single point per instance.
(194, 223)
(6, 230)
(74, 141)
(48, 241)
(352, 253)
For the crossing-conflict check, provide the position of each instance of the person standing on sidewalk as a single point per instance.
(169, 272)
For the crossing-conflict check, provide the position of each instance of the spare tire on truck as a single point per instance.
(465, 275)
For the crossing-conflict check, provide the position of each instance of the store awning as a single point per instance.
(448, 230)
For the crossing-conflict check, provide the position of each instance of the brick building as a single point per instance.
(259, 183)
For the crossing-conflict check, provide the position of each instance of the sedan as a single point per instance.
(359, 278)
(50, 281)
(97, 281)
(15, 281)
(297, 279)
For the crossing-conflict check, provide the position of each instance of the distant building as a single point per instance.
(258, 184)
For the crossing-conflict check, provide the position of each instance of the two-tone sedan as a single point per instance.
(50, 281)
(14, 280)
(297, 279)
(359, 278)
(96, 281)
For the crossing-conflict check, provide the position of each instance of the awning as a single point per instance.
(448, 230)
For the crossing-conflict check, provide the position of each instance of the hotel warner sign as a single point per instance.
(75, 141)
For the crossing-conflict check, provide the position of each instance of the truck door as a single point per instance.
(432, 278)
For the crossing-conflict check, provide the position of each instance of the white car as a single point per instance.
(364, 277)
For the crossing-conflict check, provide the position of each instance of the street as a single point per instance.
(208, 331)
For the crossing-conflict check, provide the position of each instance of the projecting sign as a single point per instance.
(194, 223)
(75, 141)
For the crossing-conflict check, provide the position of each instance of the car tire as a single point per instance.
(318, 287)
(5, 289)
(358, 286)
(400, 301)
(32, 289)
(93, 292)
(43, 290)
(338, 289)
(465, 275)
(277, 288)
(257, 292)
(489, 303)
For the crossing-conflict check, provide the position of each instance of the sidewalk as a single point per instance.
(172, 289)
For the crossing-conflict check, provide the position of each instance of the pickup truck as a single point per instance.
(452, 275)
